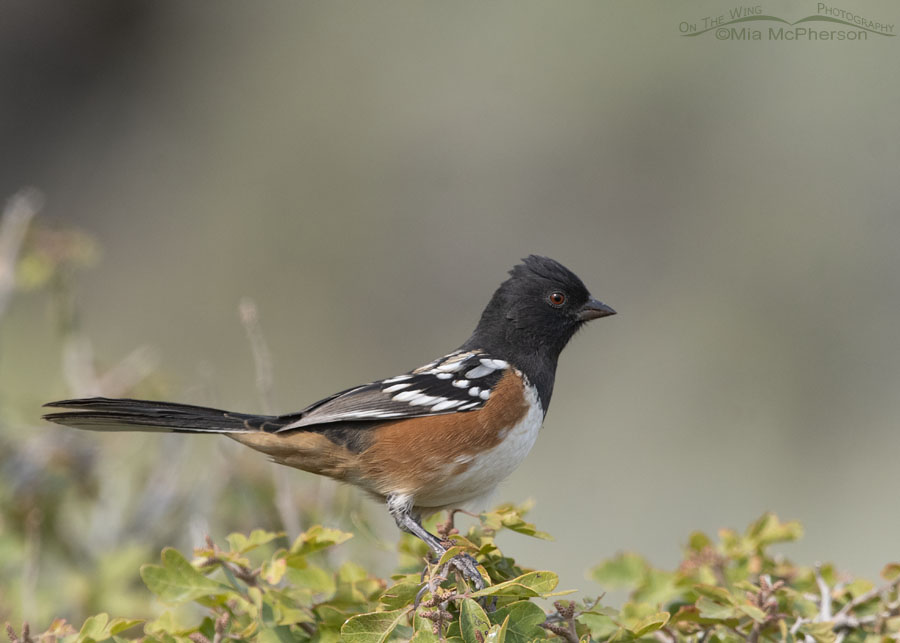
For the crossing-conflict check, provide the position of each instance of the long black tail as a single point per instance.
(103, 414)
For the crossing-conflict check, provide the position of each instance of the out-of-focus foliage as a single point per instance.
(735, 589)
(74, 527)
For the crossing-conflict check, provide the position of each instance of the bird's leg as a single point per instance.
(400, 506)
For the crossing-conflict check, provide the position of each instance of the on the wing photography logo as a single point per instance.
(830, 22)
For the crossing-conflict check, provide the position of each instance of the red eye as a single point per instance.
(556, 299)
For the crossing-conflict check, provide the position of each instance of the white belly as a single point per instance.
(485, 471)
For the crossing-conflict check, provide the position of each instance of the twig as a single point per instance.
(825, 594)
(262, 360)
(865, 598)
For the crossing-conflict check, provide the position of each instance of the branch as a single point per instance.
(262, 360)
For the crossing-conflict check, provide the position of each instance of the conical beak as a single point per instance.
(594, 309)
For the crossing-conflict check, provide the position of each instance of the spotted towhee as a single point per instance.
(437, 437)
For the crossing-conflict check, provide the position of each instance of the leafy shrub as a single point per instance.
(730, 590)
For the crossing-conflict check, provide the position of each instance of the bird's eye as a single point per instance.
(557, 299)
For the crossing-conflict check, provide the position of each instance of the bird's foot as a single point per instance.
(468, 567)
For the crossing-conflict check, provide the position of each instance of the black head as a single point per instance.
(533, 315)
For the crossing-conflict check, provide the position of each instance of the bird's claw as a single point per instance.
(468, 567)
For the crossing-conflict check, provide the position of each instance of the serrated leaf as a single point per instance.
(374, 627)
(472, 619)
(240, 543)
(624, 571)
(539, 583)
(177, 580)
(524, 620)
(768, 530)
(512, 519)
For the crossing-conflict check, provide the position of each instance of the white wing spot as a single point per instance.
(461, 383)
(406, 396)
(426, 367)
(468, 406)
(450, 367)
(423, 400)
(447, 404)
(479, 371)
(399, 378)
(485, 394)
(474, 391)
(396, 387)
(496, 364)
(444, 376)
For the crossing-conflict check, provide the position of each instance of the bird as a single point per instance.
(441, 436)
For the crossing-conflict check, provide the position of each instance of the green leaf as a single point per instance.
(167, 623)
(821, 632)
(510, 517)
(528, 585)
(277, 634)
(240, 543)
(600, 625)
(716, 611)
(318, 538)
(524, 618)
(94, 628)
(472, 619)
(424, 636)
(497, 633)
(890, 571)
(400, 594)
(118, 625)
(624, 571)
(753, 612)
(768, 530)
(177, 580)
(716, 593)
(650, 624)
(658, 588)
(374, 627)
(698, 541)
(312, 578)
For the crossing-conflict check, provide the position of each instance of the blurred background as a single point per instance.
(366, 173)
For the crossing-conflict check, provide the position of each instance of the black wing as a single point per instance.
(460, 381)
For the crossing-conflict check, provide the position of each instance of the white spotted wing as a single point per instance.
(460, 381)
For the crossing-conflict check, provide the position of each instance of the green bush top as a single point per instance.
(730, 589)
